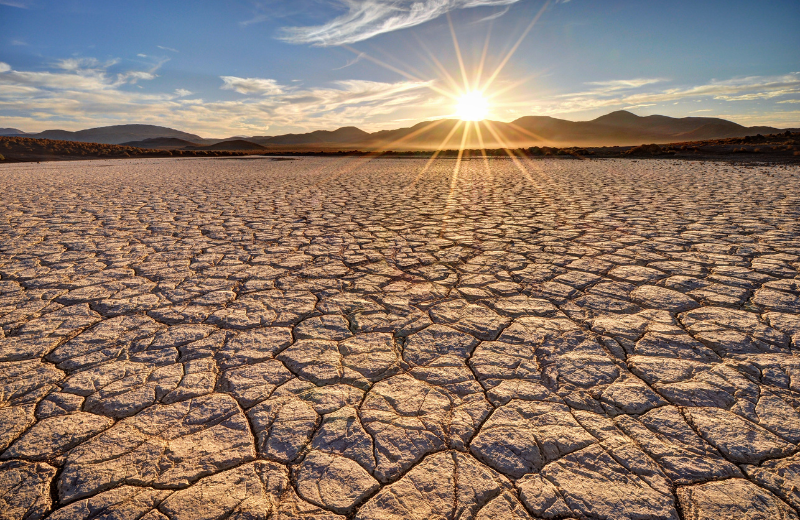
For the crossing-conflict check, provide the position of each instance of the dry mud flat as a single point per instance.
(322, 338)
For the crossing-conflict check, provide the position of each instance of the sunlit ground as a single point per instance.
(426, 313)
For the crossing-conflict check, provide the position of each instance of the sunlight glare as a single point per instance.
(472, 106)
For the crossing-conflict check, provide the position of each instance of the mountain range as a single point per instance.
(617, 128)
(117, 134)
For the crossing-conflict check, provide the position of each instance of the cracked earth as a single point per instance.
(323, 338)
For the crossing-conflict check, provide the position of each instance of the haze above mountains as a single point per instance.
(617, 128)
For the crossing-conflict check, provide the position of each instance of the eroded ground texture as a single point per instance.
(321, 338)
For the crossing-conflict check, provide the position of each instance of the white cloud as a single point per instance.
(86, 81)
(16, 3)
(623, 84)
(134, 76)
(494, 16)
(82, 74)
(256, 19)
(75, 64)
(367, 18)
(170, 49)
(182, 92)
(251, 85)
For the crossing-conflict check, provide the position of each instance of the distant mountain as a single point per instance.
(723, 129)
(346, 134)
(11, 132)
(161, 143)
(116, 134)
(617, 128)
(230, 145)
(625, 128)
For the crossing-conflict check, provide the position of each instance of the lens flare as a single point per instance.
(472, 106)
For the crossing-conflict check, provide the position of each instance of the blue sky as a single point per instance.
(252, 67)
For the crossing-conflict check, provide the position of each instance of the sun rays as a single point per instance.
(473, 101)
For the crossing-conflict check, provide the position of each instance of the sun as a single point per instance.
(472, 106)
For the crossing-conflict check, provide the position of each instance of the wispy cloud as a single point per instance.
(355, 60)
(84, 74)
(251, 85)
(134, 76)
(623, 84)
(254, 20)
(84, 64)
(365, 19)
(170, 49)
(22, 4)
(493, 16)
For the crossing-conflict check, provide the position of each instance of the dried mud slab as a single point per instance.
(25, 489)
(341, 338)
(445, 485)
(166, 445)
(734, 498)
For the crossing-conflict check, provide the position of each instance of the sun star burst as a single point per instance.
(472, 106)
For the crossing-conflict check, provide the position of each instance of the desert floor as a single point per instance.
(323, 338)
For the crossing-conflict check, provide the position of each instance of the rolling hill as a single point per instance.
(161, 143)
(117, 134)
(232, 144)
(617, 128)
(346, 134)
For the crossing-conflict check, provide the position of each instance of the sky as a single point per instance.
(268, 67)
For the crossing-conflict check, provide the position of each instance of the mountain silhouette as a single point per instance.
(162, 143)
(619, 128)
(11, 132)
(116, 134)
(346, 134)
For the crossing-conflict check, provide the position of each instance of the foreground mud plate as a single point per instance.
(347, 339)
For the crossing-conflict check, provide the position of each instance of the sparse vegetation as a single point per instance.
(646, 149)
(24, 149)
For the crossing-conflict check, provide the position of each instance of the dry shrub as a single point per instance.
(645, 149)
